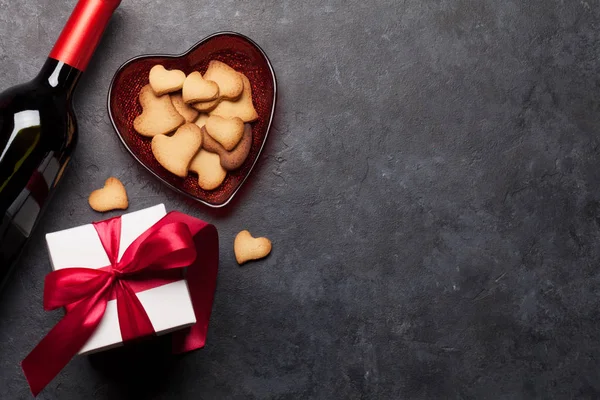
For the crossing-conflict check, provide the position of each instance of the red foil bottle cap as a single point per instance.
(81, 35)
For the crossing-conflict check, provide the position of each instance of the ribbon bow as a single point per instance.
(153, 259)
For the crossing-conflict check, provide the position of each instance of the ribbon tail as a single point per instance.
(63, 342)
(133, 319)
(202, 280)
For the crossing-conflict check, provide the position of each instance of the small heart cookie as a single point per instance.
(197, 89)
(242, 108)
(247, 248)
(190, 114)
(164, 81)
(227, 131)
(112, 196)
(208, 167)
(206, 106)
(230, 160)
(230, 82)
(158, 117)
(175, 153)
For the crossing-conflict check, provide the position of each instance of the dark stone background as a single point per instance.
(431, 187)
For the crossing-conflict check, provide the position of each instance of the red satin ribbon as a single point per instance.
(175, 242)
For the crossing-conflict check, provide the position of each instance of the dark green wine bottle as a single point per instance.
(38, 129)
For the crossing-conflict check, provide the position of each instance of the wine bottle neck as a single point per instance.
(58, 75)
(81, 35)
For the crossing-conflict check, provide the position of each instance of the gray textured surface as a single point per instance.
(431, 186)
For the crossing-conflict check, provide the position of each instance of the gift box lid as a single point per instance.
(169, 306)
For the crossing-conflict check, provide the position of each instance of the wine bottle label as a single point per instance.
(27, 206)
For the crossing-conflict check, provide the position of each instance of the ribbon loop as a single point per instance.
(176, 241)
(169, 246)
(67, 286)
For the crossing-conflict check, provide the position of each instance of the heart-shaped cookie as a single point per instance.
(175, 153)
(241, 108)
(112, 196)
(206, 105)
(230, 160)
(247, 248)
(208, 167)
(163, 81)
(230, 82)
(197, 89)
(158, 117)
(186, 111)
(227, 131)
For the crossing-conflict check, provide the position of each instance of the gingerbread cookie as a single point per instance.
(242, 108)
(208, 167)
(197, 89)
(248, 248)
(158, 117)
(112, 196)
(230, 160)
(163, 81)
(230, 82)
(175, 153)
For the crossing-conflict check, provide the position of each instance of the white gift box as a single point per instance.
(169, 306)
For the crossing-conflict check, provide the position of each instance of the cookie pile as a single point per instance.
(209, 114)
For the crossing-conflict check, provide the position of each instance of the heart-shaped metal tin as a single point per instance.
(232, 48)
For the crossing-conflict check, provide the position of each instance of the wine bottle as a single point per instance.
(38, 129)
